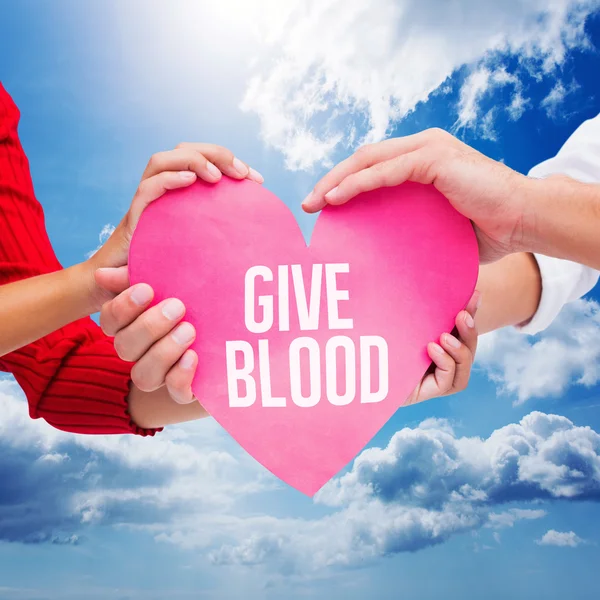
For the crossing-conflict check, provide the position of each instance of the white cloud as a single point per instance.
(518, 106)
(476, 85)
(106, 232)
(556, 97)
(374, 62)
(188, 487)
(426, 486)
(479, 85)
(510, 517)
(114, 480)
(567, 353)
(488, 131)
(558, 538)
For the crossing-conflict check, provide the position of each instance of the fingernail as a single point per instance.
(141, 294)
(451, 340)
(187, 360)
(212, 170)
(187, 175)
(256, 176)
(437, 348)
(306, 201)
(331, 195)
(173, 309)
(469, 321)
(240, 167)
(184, 334)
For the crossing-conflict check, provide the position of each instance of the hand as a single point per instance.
(165, 171)
(452, 358)
(489, 193)
(157, 340)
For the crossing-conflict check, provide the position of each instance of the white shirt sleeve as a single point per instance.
(564, 281)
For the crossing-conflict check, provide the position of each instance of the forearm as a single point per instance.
(34, 307)
(157, 409)
(562, 220)
(510, 292)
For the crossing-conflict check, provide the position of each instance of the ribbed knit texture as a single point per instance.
(73, 377)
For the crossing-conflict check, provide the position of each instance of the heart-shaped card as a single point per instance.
(305, 352)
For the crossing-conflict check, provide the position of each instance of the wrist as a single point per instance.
(91, 295)
(560, 218)
(534, 195)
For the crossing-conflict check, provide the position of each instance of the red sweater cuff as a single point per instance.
(78, 384)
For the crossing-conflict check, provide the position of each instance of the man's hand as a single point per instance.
(489, 193)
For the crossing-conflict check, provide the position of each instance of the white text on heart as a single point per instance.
(259, 315)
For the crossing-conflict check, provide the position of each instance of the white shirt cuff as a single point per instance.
(562, 282)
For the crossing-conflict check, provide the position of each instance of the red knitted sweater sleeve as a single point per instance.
(72, 378)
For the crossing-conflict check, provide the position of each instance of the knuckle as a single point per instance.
(364, 151)
(382, 167)
(322, 187)
(177, 387)
(142, 188)
(198, 160)
(154, 330)
(220, 150)
(155, 160)
(222, 155)
(109, 318)
(122, 348)
(160, 357)
(437, 132)
(439, 135)
(383, 171)
(461, 386)
(105, 324)
(182, 146)
(354, 182)
(140, 377)
(173, 381)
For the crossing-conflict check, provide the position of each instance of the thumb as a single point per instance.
(114, 280)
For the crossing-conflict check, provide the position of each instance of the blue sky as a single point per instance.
(102, 86)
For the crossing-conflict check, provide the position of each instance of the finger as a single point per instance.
(463, 360)
(225, 160)
(208, 161)
(474, 303)
(125, 308)
(182, 159)
(466, 329)
(134, 340)
(114, 280)
(179, 378)
(414, 166)
(150, 371)
(153, 188)
(440, 381)
(366, 157)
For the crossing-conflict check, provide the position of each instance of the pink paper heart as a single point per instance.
(412, 266)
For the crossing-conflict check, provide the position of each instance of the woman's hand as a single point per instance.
(452, 358)
(165, 171)
(156, 339)
(493, 196)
